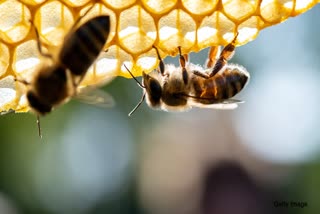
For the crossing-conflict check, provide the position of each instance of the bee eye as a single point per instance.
(155, 89)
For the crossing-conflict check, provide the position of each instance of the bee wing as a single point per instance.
(94, 96)
(228, 104)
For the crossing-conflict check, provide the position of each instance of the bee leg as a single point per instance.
(75, 84)
(186, 56)
(212, 56)
(39, 44)
(226, 54)
(161, 65)
(183, 66)
(39, 126)
(80, 80)
(21, 81)
(200, 74)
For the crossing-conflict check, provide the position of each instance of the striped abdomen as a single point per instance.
(82, 47)
(223, 85)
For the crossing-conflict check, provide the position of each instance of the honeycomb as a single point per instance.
(136, 26)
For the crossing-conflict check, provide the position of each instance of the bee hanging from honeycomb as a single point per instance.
(181, 88)
(56, 81)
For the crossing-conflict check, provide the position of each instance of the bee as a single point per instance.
(56, 81)
(173, 88)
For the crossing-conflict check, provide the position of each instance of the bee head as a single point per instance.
(153, 89)
(37, 105)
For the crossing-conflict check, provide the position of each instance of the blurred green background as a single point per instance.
(94, 160)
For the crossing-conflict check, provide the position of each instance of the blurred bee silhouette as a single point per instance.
(58, 77)
(230, 183)
(181, 88)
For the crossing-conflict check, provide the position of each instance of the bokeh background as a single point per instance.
(260, 158)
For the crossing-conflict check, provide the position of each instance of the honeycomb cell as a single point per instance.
(12, 96)
(14, 25)
(145, 62)
(102, 71)
(7, 94)
(159, 6)
(249, 29)
(26, 58)
(215, 30)
(176, 29)
(119, 4)
(207, 34)
(53, 20)
(302, 6)
(137, 30)
(239, 9)
(76, 3)
(199, 7)
(114, 57)
(276, 10)
(225, 27)
(4, 59)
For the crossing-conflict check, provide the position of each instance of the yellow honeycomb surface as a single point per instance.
(136, 26)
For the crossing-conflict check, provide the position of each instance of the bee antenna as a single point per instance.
(138, 105)
(139, 83)
(39, 126)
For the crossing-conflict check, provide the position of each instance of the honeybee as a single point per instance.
(173, 88)
(57, 80)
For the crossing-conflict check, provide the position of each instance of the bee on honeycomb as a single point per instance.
(137, 26)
